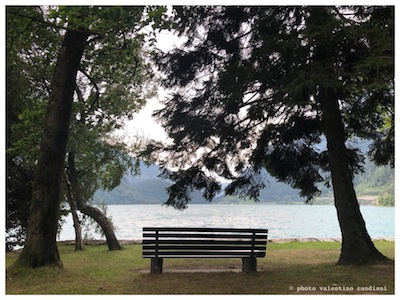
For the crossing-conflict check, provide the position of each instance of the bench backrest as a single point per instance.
(166, 242)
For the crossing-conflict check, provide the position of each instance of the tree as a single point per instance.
(111, 88)
(268, 87)
(87, 73)
(40, 247)
(79, 202)
(25, 115)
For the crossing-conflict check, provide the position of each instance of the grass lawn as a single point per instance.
(290, 268)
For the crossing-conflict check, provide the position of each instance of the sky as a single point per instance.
(143, 123)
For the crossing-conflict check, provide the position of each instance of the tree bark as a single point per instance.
(105, 224)
(357, 246)
(41, 247)
(89, 210)
(77, 228)
(75, 218)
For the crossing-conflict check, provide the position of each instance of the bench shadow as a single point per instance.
(199, 269)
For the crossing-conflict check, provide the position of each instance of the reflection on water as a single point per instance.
(282, 221)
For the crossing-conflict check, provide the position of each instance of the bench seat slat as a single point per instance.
(204, 242)
(201, 229)
(210, 254)
(204, 256)
(204, 235)
(205, 247)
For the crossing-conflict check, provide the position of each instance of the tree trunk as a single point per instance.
(41, 247)
(77, 228)
(91, 211)
(357, 247)
(75, 219)
(105, 224)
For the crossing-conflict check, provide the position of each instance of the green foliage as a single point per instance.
(26, 132)
(157, 17)
(110, 86)
(376, 180)
(28, 71)
(19, 194)
(386, 200)
(248, 87)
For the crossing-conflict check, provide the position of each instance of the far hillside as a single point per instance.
(375, 185)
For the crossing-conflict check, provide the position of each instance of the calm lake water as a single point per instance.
(282, 221)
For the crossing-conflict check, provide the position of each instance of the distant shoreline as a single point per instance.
(275, 241)
(367, 201)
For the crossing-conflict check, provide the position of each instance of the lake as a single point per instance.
(282, 221)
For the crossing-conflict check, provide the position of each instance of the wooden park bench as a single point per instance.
(175, 242)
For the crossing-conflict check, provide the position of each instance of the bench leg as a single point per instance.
(249, 264)
(156, 265)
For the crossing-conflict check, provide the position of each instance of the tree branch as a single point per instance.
(53, 25)
(342, 16)
(95, 86)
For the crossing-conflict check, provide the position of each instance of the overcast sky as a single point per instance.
(143, 123)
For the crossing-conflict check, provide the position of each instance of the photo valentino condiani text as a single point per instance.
(371, 288)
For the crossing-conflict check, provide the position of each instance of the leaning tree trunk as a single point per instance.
(89, 210)
(75, 219)
(41, 247)
(357, 247)
(77, 227)
(105, 224)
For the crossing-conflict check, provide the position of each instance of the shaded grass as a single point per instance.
(289, 268)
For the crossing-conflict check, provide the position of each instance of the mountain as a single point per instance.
(148, 188)
(145, 188)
